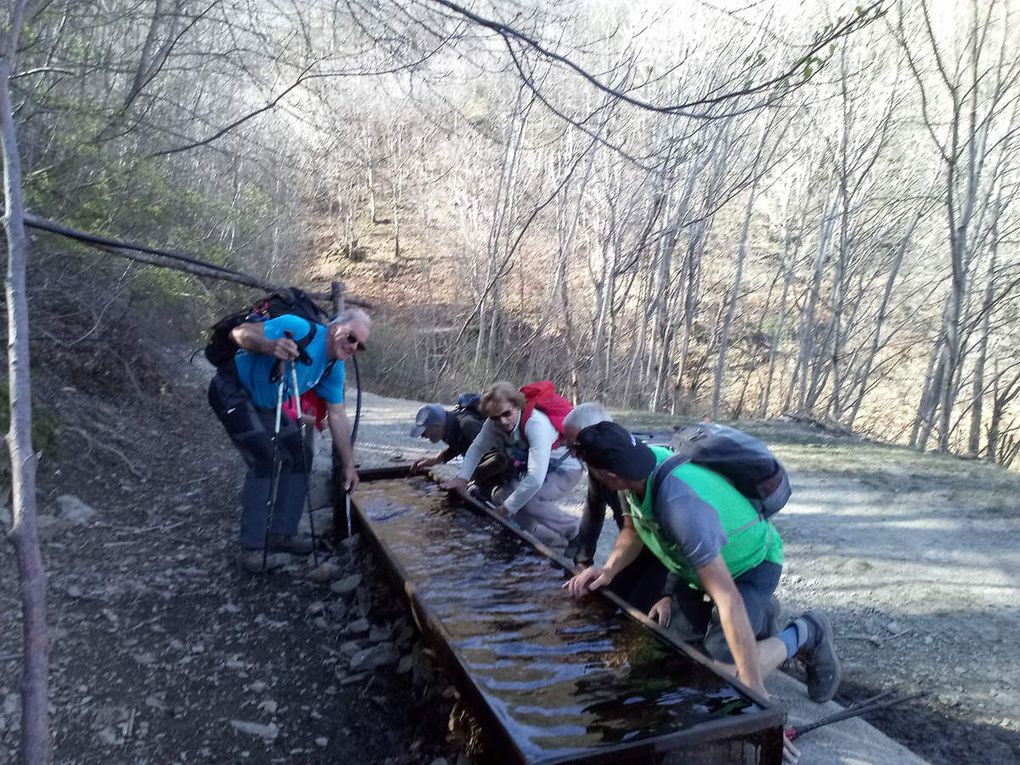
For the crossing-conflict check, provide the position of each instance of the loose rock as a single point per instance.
(374, 657)
(347, 585)
(74, 511)
(267, 732)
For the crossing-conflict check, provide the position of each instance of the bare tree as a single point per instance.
(24, 533)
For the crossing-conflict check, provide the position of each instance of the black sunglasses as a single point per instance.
(353, 340)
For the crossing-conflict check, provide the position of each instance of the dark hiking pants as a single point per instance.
(756, 587)
(251, 430)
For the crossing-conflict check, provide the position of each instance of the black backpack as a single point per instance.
(220, 348)
(469, 403)
(740, 458)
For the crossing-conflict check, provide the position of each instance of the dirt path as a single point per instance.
(163, 652)
(918, 559)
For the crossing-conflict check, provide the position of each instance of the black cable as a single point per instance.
(357, 408)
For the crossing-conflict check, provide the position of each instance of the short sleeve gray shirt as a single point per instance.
(691, 522)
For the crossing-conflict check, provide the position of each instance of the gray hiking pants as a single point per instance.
(542, 515)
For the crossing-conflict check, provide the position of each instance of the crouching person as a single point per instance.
(642, 582)
(550, 472)
(244, 395)
(458, 428)
(727, 559)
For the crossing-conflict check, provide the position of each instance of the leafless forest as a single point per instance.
(702, 208)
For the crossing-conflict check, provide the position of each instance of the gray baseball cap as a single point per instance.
(430, 414)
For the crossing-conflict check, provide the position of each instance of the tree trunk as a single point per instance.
(35, 728)
(731, 307)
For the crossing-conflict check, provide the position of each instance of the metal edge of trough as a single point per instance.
(758, 723)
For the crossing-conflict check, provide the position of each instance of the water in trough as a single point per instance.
(565, 680)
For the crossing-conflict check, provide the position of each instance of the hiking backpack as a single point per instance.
(542, 396)
(220, 347)
(469, 403)
(740, 458)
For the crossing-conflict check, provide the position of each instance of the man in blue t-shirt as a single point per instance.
(243, 394)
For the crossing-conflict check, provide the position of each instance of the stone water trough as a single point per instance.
(549, 679)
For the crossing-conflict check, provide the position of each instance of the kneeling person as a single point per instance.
(458, 428)
(642, 582)
(714, 541)
(550, 474)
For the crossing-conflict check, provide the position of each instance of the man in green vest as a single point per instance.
(725, 556)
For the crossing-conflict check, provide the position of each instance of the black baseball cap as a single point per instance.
(607, 446)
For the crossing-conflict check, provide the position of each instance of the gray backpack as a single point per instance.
(740, 458)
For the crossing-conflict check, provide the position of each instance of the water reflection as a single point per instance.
(563, 676)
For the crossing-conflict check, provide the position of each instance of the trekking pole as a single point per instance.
(870, 705)
(304, 461)
(274, 480)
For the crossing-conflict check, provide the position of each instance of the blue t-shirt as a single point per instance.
(254, 369)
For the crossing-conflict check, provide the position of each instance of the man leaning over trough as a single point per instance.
(244, 396)
(727, 558)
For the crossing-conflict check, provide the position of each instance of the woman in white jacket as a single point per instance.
(550, 472)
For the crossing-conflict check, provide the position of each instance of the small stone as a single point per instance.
(267, 732)
(74, 511)
(371, 658)
(347, 585)
(321, 623)
(109, 736)
(74, 591)
(405, 664)
(324, 573)
(439, 761)
(357, 627)
(337, 610)
(234, 664)
(155, 702)
(269, 706)
(321, 741)
(258, 686)
(379, 634)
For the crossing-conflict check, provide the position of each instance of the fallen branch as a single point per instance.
(177, 261)
(112, 449)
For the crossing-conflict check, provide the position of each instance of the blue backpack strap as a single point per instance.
(663, 470)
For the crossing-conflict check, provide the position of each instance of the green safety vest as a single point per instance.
(750, 538)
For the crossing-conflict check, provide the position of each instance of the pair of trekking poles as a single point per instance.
(274, 481)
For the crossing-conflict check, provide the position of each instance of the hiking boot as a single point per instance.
(251, 561)
(285, 543)
(819, 656)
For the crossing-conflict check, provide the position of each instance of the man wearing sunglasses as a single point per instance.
(244, 395)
